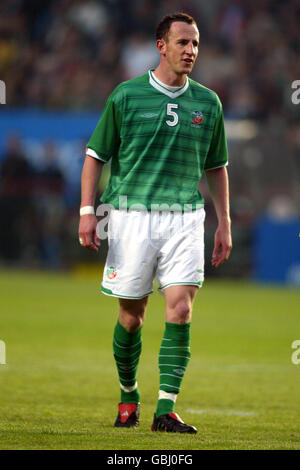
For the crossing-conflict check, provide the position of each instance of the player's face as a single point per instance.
(181, 47)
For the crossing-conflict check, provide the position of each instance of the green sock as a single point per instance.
(127, 347)
(174, 356)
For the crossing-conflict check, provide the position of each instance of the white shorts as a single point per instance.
(142, 245)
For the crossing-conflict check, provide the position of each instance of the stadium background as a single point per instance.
(59, 61)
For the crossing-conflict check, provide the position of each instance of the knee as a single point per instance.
(131, 322)
(181, 312)
(132, 313)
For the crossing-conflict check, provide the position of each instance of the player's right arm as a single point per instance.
(91, 173)
(103, 144)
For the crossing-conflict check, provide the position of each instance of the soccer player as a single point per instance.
(161, 131)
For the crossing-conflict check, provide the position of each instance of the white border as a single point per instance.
(215, 167)
(92, 153)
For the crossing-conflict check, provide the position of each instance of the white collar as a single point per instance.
(164, 85)
(172, 92)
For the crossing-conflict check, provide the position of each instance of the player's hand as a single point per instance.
(222, 246)
(88, 232)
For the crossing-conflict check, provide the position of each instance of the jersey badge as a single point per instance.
(197, 118)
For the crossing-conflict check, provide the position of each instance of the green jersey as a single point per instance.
(159, 142)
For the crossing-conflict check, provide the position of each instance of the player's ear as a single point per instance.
(161, 46)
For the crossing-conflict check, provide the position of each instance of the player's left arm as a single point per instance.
(217, 179)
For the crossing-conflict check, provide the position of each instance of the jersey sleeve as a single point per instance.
(217, 154)
(105, 140)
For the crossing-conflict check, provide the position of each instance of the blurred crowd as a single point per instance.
(33, 210)
(72, 53)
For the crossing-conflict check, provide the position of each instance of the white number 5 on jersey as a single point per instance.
(170, 107)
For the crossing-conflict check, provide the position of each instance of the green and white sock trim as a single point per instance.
(129, 389)
(162, 395)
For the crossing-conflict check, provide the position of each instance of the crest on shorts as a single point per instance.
(197, 118)
(111, 272)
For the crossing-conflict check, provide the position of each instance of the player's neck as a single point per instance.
(168, 77)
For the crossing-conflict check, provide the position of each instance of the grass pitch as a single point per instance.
(59, 388)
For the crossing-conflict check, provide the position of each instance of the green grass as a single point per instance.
(59, 388)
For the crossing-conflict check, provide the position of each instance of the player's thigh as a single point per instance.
(134, 307)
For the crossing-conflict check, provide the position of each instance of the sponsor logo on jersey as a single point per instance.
(149, 115)
(111, 272)
(197, 118)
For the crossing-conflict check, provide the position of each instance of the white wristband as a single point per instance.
(87, 210)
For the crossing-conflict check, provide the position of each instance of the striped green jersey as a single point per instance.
(159, 142)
